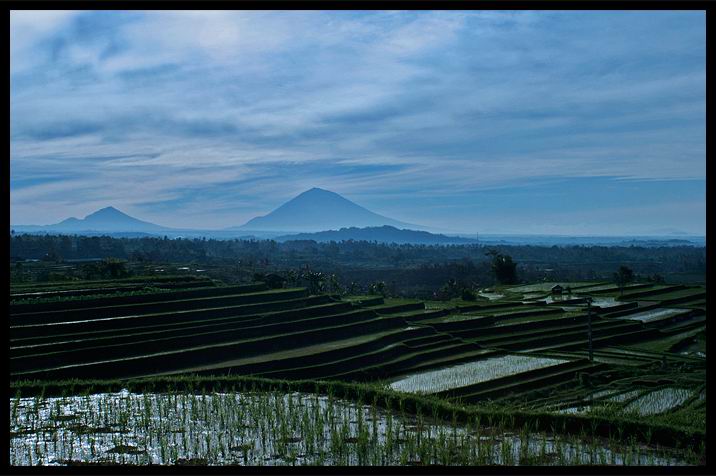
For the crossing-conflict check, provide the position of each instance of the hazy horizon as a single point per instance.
(547, 122)
(664, 232)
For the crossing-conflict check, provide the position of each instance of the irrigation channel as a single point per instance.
(274, 428)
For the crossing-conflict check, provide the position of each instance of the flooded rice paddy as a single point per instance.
(490, 296)
(471, 373)
(624, 396)
(605, 301)
(545, 287)
(635, 402)
(554, 299)
(659, 401)
(655, 314)
(276, 429)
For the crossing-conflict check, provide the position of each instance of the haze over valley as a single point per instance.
(322, 215)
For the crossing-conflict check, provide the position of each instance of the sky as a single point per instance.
(534, 122)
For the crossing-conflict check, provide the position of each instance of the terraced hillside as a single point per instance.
(195, 326)
(243, 329)
(519, 350)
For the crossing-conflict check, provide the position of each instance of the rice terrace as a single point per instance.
(417, 240)
(205, 373)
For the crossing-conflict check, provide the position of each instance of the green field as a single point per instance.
(511, 368)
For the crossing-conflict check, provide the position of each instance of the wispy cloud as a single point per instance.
(209, 118)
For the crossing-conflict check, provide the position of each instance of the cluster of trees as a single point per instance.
(410, 270)
(108, 268)
(600, 259)
(504, 268)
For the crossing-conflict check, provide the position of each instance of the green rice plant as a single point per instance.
(405, 438)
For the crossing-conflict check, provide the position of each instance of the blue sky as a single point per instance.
(497, 122)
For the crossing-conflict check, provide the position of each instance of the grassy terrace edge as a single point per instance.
(578, 425)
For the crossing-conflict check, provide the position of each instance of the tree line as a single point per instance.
(402, 269)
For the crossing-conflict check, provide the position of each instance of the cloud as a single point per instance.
(30, 27)
(221, 111)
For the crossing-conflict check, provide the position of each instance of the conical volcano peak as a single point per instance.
(317, 209)
(106, 211)
(321, 190)
(317, 192)
(317, 195)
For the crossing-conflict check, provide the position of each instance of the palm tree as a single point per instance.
(292, 277)
(623, 277)
(316, 281)
(335, 284)
(352, 288)
(377, 288)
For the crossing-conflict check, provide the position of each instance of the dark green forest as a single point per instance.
(410, 270)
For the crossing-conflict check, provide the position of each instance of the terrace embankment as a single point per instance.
(215, 333)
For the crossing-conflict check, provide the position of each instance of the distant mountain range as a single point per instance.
(312, 211)
(668, 231)
(107, 219)
(318, 210)
(321, 215)
(381, 234)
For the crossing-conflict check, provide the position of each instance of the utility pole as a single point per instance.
(589, 327)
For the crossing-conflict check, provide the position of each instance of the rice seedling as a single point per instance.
(268, 428)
